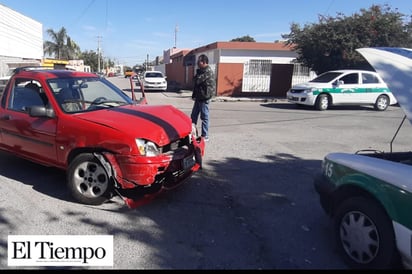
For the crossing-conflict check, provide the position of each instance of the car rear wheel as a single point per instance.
(382, 103)
(322, 102)
(88, 181)
(364, 234)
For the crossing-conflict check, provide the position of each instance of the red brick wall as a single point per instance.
(229, 79)
(175, 72)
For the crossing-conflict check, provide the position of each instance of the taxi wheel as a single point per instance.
(364, 234)
(88, 181)
(382, 103)
(322, 102)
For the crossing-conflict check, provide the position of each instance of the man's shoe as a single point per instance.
(206, 138)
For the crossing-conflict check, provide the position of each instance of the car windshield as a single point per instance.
(154, 75)
(87, 94)
(326, 77)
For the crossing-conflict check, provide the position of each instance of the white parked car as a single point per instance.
(339, 87)
(369, 195)
(154, 80)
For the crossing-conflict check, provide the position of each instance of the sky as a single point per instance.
(128, 32)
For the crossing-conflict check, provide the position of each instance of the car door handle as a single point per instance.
(5, 117)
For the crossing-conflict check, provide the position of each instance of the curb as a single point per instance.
(239, 99)
(247, 99)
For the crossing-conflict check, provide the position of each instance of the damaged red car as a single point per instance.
(109, 143)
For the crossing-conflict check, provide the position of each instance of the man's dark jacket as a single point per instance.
(204, 84)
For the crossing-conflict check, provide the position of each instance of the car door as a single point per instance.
(349, 89)
(31, 137)
(371, 86)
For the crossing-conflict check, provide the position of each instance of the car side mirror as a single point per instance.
(41, 111)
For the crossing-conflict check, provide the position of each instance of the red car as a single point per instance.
(107, 142)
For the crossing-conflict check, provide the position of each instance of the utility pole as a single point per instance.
(176, 30)
(147, 62)
(98, 53)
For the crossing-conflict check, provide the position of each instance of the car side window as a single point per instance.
(368, 78)
(351, 78)
(25, 94)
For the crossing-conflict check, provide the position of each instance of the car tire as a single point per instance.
(364, 234)
(382, 103)
(88, 181)
(322, 102)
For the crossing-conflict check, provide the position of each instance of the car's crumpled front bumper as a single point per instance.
(139, 179)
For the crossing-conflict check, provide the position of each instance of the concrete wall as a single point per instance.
(20, 35)
(176, 76)
(21, 40)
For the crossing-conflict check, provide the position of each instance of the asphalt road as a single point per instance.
(253, 206)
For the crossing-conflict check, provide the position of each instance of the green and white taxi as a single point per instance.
(343, 87)
(369, 195)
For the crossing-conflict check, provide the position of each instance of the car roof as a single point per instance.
(51, 73)
(394, 65)
(351, 70)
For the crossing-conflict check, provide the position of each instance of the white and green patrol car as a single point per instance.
(343, 87)
(369, 195)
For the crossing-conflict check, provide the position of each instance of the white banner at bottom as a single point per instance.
(60, 250)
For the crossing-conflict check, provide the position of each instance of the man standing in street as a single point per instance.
(204, 89)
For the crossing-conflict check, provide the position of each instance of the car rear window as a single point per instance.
(368, 78)
(154, 75)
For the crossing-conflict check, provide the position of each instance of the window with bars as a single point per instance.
(259, 67)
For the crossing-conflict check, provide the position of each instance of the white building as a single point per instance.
(21, 40)
(78, 65)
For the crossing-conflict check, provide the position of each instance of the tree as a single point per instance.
(61, 46)
(90, 59)
(332, 43)
(245, 38)
(109, 63)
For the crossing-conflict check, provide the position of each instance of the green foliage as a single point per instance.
(64, 48)
(90, 59)
(332, 43)
(245, 38)
(61, 46)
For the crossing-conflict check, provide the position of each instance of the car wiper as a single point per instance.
(105, 104)
(109, 102)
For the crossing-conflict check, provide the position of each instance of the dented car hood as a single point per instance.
(160, 124)
(394, 65)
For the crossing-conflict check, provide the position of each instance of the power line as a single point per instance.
(85, 10)
(330, 4)
(107, 15)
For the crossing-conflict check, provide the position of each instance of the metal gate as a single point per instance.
(302, 74)
(256, 76)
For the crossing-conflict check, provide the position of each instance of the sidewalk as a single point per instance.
(238, 99)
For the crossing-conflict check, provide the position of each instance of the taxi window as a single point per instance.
(368, 78)
(351, 78)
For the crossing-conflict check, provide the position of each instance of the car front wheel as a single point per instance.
(364, 234)
(87, 180)
(382, 103)
(322, 102)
